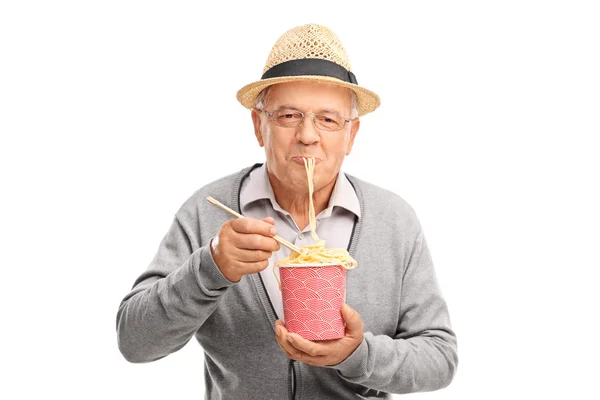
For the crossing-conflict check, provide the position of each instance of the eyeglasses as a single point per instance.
(289, 118)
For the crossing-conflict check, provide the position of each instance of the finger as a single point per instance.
(269, 220)
(306, 346)
(289, 350)
(255, 242)
(244, 255)
(279, 323)
(251, 225)
(354, 325)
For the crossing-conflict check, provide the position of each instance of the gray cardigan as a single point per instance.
(408, 344)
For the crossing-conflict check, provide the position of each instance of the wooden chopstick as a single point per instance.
(278, 238)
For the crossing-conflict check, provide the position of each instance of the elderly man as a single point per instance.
(212, 275)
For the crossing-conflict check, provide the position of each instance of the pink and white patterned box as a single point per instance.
(313, 297)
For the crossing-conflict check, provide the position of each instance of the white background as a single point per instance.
(112, 113)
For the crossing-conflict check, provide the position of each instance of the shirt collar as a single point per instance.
(258, 187)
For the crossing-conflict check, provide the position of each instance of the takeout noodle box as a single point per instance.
(313, 296)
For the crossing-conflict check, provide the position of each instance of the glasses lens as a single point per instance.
(287, 118)
(329, 122)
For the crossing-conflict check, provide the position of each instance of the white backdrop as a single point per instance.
(112, 113)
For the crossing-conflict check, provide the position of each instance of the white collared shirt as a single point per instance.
(334, 224)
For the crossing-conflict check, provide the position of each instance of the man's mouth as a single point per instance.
(300, 159)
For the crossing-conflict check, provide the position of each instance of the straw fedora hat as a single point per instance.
(309, 52)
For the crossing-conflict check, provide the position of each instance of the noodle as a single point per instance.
(316, 254)
(309, 165)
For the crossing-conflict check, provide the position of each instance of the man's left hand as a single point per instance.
(326, 352)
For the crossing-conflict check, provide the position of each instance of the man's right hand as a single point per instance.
(243, 246)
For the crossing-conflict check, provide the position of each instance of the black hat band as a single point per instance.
(310, 66)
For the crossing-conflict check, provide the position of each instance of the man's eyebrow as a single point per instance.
(289, 107)
(327, 110)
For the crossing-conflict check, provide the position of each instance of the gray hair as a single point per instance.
(261, 101)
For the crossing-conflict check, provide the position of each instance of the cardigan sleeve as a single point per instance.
(171, 300)
(422, 355)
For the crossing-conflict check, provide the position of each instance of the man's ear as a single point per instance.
(353, 132)
(257, 126)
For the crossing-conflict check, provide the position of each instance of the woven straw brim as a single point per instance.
(367, 100)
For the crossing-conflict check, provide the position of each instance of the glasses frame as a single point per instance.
(303, 113)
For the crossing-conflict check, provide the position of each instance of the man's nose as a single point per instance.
(307, 133)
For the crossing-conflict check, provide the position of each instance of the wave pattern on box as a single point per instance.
(312, 301)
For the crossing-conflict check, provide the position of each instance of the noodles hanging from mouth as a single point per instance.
(309, 166)
(316, 254)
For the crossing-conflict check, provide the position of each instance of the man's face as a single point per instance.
(285, 147)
